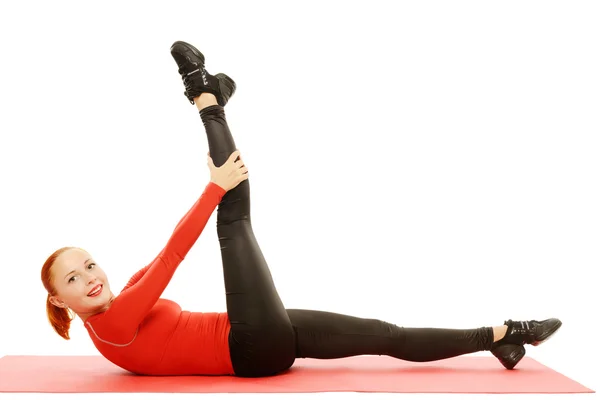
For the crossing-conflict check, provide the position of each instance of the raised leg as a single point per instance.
(261, 338)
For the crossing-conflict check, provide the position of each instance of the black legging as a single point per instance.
(265, 338)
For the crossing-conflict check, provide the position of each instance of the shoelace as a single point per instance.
(523, 328)
(191, 80)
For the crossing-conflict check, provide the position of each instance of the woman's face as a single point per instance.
(75, 275)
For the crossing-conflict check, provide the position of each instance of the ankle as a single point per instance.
(205, 100)
(499, 332)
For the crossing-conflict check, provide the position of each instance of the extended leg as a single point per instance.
(327, 335)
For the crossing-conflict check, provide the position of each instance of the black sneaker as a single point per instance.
(195, 78)
(529, 332)
(509, 355)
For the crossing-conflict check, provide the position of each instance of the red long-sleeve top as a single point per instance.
(145, 334)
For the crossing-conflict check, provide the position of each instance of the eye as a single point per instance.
(71, 278)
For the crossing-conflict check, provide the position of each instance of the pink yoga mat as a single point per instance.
(465, 374)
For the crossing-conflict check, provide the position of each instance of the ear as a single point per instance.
(57, 302)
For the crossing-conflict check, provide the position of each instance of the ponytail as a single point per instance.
(59, 319)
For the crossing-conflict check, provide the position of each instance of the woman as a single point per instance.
(145, 334)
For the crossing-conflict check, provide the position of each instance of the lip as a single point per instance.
(94, 288)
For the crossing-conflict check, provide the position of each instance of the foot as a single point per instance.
(195, 77)
(509, 350)
(529, 332)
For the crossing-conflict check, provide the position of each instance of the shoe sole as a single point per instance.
(188, 46)
(548, 335)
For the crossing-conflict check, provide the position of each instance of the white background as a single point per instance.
(430, 163)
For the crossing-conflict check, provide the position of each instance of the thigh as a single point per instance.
(261, 339)
(251, 297)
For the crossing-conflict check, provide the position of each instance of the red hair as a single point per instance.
(59, 318)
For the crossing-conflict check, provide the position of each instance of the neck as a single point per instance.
(85, 316)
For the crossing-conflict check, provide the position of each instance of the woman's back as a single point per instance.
(169, 341)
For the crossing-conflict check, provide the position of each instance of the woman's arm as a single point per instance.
(146, 286)
(138, 275)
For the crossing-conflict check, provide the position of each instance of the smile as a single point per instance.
(96, 291)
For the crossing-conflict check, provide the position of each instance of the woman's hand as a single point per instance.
(230, 174)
